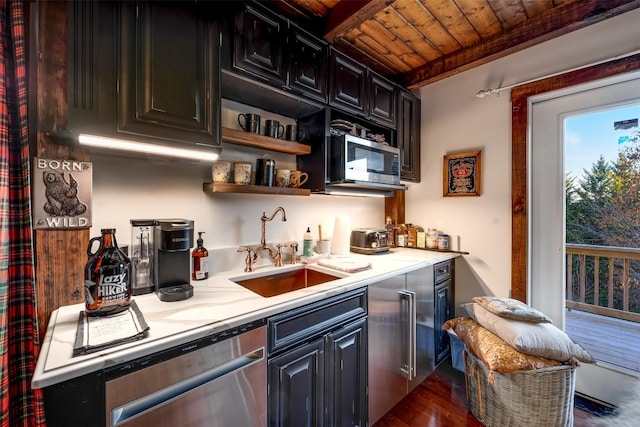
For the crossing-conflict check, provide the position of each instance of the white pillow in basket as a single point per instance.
(536, 339)
(512, 309)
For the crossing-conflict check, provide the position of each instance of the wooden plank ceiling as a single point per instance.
(417, 42)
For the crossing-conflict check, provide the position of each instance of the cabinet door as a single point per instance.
(259, 43)
(347, 375)
(308, 67)
(408, 135)
(348, 81)
(296, 384)
(382, 100)
(168, 76)
(443, 313)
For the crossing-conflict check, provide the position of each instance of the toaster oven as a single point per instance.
(369, 241)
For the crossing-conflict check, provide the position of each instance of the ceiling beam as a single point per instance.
(552, 23)
(348, 14)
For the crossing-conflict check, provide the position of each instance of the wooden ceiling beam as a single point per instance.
(350, 14)
(552, 23)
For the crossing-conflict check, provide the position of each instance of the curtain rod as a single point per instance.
(485, 92)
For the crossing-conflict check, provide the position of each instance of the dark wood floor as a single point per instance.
(440, 401)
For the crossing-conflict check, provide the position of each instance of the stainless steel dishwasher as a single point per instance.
(219, 380)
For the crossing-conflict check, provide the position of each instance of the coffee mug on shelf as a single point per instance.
(221, 171)
(297, 178)
(251, 122)
(293, 133)
(242, 173)
(282, 177)
(273, 129)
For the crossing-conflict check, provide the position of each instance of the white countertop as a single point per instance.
(217, 304)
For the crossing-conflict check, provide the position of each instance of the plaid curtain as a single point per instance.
(19, 342)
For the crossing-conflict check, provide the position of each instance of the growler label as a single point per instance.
(107, 280)
(111, 288)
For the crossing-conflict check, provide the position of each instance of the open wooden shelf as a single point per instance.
(255, 189)
(248, 139)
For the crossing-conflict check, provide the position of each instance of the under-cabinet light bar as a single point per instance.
(357, 193)
(140, 147)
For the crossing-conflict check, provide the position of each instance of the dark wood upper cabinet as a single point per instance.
(382, 100)
(347, 84)
(408, 135)
(358, 90)
(262, 50)
(169, 81)
(308, 67)
(259, 45)
(144, 71)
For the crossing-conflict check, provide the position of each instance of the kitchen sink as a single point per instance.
(273, 284)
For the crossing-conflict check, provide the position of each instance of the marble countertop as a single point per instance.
(217, 304)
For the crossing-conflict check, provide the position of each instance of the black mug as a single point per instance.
(251, 123)
(292, 133)
(273, 129)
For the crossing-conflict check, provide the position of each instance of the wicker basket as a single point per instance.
(540, 398)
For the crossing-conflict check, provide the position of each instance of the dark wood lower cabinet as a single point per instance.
(296, 384)
(347, 375)
(442, 296)
(317, 368)
(322, 383)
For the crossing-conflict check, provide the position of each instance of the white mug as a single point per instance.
(221, 171)
(282, 177)
(242, 173)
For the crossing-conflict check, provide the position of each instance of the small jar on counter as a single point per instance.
(432, 238)
(443, 242)
(401, 236)
(412, 235)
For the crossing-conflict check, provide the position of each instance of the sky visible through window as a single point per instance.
(588, 136)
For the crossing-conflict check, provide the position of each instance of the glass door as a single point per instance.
(557, 285)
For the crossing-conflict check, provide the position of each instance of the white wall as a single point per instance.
(125, 188)
(454, 119)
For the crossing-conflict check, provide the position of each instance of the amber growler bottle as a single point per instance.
(107, 277)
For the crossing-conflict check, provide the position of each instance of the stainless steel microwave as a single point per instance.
(357, 160)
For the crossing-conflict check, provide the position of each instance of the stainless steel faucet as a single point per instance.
(263, 241)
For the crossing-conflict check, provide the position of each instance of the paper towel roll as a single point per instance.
(341, 242)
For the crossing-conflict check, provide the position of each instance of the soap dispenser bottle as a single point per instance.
(200, 257)
(307, 243)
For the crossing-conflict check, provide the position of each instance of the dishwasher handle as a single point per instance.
(130, 410)
(409, 369)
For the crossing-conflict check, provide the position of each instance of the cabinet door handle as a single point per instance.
(409, 369)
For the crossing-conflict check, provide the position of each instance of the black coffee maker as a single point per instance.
(173, 240)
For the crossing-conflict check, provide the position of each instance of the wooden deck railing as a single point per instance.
(604, 280)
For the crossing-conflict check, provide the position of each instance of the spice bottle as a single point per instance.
(107, 277)
(401, 236)
(412, 235)
(200, 256)
(391, 242)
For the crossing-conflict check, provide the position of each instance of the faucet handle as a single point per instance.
(278, 256)
(250, 259)
(294, 252)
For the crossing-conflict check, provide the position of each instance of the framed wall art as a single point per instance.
(462, 174)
